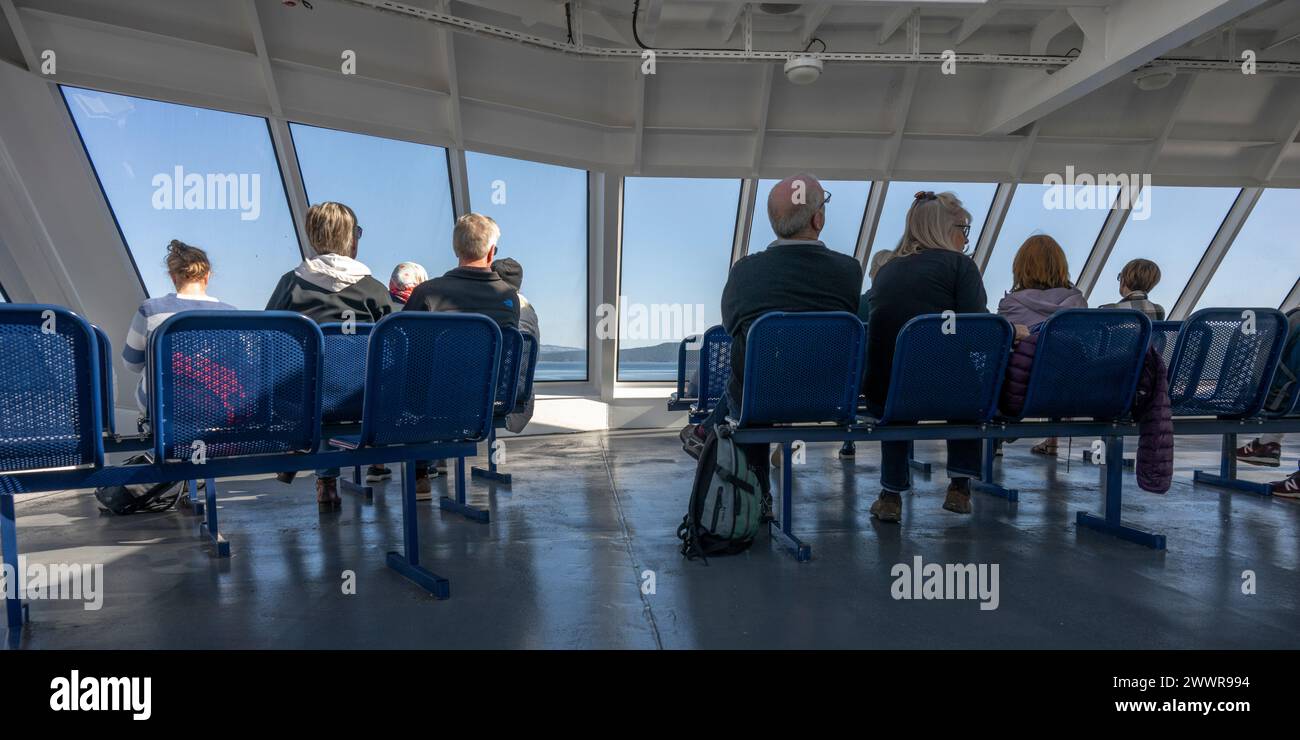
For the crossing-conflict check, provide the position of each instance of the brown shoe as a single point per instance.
(888, 508)
(958, 499)
(327, 494)
(423, 488)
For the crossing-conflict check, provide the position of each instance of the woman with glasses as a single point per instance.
(929, 273)
(328, 288)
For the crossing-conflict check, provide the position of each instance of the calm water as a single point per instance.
(547, 370)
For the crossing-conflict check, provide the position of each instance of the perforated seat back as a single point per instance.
(344, 372)
(948, 370)
(1164, 339)
(430, 377)
(50, 394)
(107, 404)
(1221, 367)
(512, 361)
(527, 370)
(715, 366)
(802, 367)
(1087, 364)
(238, 382)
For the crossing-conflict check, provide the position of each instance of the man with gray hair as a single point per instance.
(797, 272)
(471, 287)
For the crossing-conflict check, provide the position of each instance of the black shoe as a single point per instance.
(848, 451)
(286, 478)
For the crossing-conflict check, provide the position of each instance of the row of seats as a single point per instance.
(1214, 369)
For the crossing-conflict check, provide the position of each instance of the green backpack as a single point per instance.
(727, 501)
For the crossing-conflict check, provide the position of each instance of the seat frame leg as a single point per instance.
(1227, 477)
(985, 483)
(192, 501)
(357, 485)
(923, 468)
(1113, 486)
(209, 527)
(459, 505)
(490, 472)
(15, 608)
(407, 562)
(783, 529)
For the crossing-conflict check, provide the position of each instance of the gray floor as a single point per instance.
(563, 562)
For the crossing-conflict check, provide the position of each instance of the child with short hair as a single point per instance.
(1136, 280)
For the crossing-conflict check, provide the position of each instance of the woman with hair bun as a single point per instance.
(190, 270)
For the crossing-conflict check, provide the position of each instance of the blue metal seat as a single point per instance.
(235, 383)
(1164, 339)
(108, 404)
(518, 353)
(50, 408)
(1087, 364)
(802, 368)
(226, 384)
(343, 383)
(1219, 369)
(948, 377)
(1222, 369)
(431, 378)
(715, 371)
(51, 396)
(344, 372)
(527, 372)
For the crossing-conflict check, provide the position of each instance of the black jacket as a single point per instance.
(467, 290)
(787, 276)
(930, 281)
(367, 298)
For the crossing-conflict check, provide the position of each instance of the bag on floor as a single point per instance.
(726, 505)
(138, 497)
(1287, 381)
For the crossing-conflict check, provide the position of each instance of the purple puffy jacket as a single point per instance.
(1155, 455)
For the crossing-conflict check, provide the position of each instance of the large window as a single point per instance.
(1262, 265)
(204, 177)
(1170, 226)
(843, 215)
(977, 197)
(542, 212)
(674, 266)
(399, 190)
(1033, 211)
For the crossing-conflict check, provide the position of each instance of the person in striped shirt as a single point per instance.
(189, 270)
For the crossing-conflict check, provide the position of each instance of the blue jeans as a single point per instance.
(896, 475)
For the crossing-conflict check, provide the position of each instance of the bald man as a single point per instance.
(797, 272)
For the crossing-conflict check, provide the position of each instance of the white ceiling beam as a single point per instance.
(974, 22)
(816, 15)
(1049, 28)
(263, 57)
(893, 22)
(764, 104)
(20, 35)
(1279, 150)
(446, 39)
(1125, 37)
(638, 117)
(654, 9)
(902, 109)
(731, 15)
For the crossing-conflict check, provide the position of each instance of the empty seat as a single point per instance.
(1087, 364)
(715, 368)
(954, 376)
(240, 382)
(1223, 368)
(344, 372)
(50, 394)
(802, 368)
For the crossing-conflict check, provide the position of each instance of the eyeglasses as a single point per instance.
(356, 232)
(964, 228)
(827, 199)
